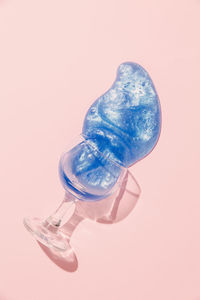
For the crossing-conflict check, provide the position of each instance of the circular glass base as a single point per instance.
(47, 234)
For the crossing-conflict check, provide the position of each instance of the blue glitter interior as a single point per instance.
(123, 125)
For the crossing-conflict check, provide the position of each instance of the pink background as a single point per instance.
(56, 58)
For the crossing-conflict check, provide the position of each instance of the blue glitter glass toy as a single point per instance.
(120, 128)
(123, 125)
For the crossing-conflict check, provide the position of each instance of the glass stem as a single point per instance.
(56, 218)
(69, 227)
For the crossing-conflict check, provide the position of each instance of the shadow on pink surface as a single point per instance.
(107, 211)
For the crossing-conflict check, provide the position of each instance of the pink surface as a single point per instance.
(56, 58)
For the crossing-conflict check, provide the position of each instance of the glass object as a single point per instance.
(86, 175)
(120, 128)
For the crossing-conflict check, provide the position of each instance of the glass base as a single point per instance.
(47, 234)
